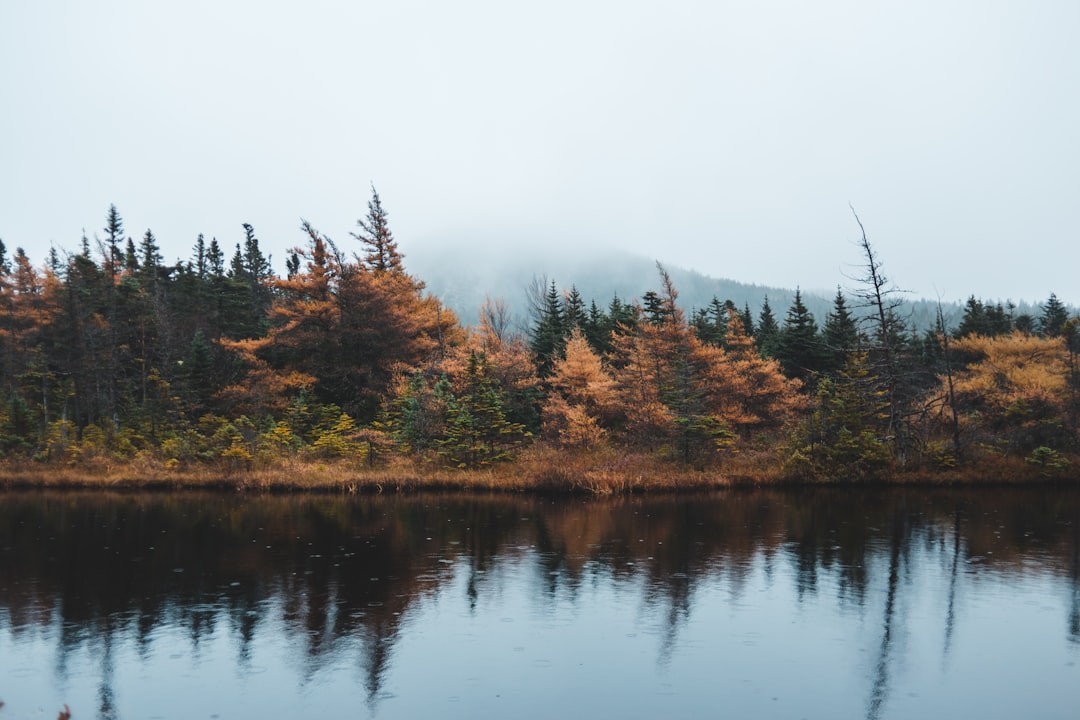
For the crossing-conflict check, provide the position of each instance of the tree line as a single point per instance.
(109, 353)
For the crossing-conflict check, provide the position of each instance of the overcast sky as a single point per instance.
(729, 137)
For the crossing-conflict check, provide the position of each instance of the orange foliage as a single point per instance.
(1017, 391)
(582, 395)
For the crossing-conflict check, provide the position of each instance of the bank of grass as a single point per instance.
(539, 468)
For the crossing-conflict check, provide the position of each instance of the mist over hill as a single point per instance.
(462, 275)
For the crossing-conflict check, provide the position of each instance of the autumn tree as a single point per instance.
(1014, 398)
(582, 400)
(380, 249)
(346, 327)
(748, 392)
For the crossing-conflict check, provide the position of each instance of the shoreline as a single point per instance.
(570, 475)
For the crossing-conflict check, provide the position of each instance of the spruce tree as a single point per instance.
(746, 319)
(798, 347)
(131, 257)
(767, 330)
(548, 336)
(710, 322)
(150, 254)
(1053, 318)
(840, 334)
(574, 310)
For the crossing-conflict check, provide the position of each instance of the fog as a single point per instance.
(725, 137)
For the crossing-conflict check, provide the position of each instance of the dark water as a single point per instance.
(823, 604)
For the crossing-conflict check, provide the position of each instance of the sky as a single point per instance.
(730, 137)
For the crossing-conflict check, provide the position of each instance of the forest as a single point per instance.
(116, 367)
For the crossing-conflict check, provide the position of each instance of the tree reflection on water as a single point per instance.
(344, 572)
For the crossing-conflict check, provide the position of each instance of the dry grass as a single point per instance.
(539, 468)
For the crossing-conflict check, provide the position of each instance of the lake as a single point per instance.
(818, 603)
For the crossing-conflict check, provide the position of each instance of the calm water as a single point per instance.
(823, 604)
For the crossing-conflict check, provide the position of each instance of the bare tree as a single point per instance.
(880, 296)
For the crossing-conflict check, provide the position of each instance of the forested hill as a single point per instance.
(513, 273)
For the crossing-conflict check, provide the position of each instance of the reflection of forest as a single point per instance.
(345, 571)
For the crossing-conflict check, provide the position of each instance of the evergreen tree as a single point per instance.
(798, 347)
(840, 334)
(767, 330)
(574, 311)
(215, 259)
(131, 258)
(747, 321)
(477, 431)
(548, 338)
(114, 235)
(150, 255)
(984, 319)
(382, 252)
(710, 322)
(597, 329)
(200, 263)
(1053, 318)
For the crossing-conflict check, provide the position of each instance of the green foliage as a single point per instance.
(18, 430)
(477, 431)
(798, 345)
(1051, 462)
(416, 418)
(840, 438)
(1053, 318)
(767, 330)
(548, 338)
(338, 439)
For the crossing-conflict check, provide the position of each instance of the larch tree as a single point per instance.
(1015, 395)
(582, 398)
(381, 250)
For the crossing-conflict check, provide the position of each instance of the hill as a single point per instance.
(463, 276)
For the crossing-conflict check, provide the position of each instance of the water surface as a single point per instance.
(841, 603)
